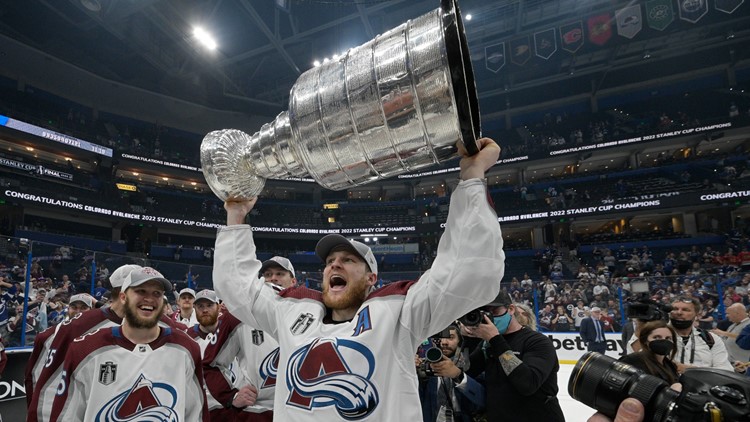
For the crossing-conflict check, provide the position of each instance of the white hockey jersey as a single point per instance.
(106, 377)
(364, 369)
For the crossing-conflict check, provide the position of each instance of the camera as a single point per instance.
(642, 308)
(602, 382)
(430, 351)
(474, 318)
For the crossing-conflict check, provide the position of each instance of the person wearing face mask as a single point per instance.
(696, 348)
(658, 348)
(520, 367)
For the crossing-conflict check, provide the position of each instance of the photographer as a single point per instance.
(520, 366)
(695, 347)
(446, 393)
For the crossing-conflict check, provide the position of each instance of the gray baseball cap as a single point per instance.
(207, 294)
(118, 276)
(278, 261)
(327, 243)
(144, 274)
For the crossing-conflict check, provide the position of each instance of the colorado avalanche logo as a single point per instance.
(269, 369)
(318, 376)
(145, 401)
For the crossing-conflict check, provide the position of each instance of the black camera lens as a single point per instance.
(603, 383)
(433, 355)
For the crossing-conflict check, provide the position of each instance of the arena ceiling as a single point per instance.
(264, 45)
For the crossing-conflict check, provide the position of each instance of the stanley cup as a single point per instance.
(396, 104)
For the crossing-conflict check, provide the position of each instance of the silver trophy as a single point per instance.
(395, 104)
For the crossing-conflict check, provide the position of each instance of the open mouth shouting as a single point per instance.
(337, 283)
(146, 310)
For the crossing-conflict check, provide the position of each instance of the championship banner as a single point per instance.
(727, 6)
(520, 50)
(692, 10)
(545, 43)
(571, 36)
(629, 21)
(600, 28)
(494, 57)
(12, 388)
(659, 14)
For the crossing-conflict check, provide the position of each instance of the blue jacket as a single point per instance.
(743, 340)
(470, 397)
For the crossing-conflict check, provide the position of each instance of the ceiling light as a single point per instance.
(165, 178)
(468, 17)
(316, 63)
(29, 149)
(204, 38)
(135, 174)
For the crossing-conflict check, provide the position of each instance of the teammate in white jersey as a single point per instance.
(138, 371)
(348, 353)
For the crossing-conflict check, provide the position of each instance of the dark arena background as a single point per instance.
(624, 128)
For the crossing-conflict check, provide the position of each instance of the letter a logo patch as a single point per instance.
(363, 322)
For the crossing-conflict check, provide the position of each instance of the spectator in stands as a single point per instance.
(579, 313)
(695, 347)
(562, 322)
(526, 283)
(546, 315)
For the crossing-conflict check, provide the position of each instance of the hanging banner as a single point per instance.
(692, 10)
(571, 36)
(659, 14)
(727, 6)
(629, 21)
(494, 57)
(545, 43)
(520, 50)
(600, 28)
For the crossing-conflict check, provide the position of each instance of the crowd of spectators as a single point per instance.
(715, 275)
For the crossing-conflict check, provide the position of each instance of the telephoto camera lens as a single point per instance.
(433, 355)
(602, 382)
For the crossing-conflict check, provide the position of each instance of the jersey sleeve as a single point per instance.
(69, 401)
(467, 270)
(217, 360)
(196, 406)
(236, 279)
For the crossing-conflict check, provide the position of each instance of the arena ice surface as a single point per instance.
(574, 410)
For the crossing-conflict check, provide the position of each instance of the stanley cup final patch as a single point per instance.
(257, 337)
(107, 373)
(302, 323)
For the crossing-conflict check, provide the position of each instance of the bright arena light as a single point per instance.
(316, 63)
(468, 17)
(204, 38)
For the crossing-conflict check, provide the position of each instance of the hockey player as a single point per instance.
(108, 316)
(186, 314)
(79, 304)
(348, 353)
(137, 371)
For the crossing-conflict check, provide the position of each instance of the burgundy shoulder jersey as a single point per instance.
(107, 377)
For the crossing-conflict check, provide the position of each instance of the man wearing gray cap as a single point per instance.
(186, 313)
(108, 316)
(347, 353)
(121, 372)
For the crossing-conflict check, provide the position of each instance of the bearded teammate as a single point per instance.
(250, 398)
(348, 353)
(79, 304)
(108, 316)
(136, 372)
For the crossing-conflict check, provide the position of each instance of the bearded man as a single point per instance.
(122, 373)
(347, 353)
